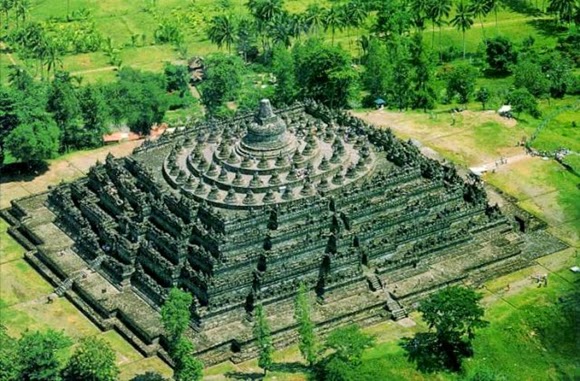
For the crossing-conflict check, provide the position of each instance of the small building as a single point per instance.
(380, 103)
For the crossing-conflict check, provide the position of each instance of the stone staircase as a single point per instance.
(397, 311)
(64, 287)
(374, 282)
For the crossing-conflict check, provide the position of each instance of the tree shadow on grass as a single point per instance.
(244, 376)
(22, 172)
(523, 7)
(548, 28)
(431, 355)
(289, 367)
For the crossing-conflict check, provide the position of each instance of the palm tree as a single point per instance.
(480, 9)
(265, 10)
(564, 9)
(419, 13)
(222, 31)
(298, 26)
(333, 20)
(495, 6)
(463, 20)
(5, 7)
(353, 14)
(313, 17)
(437, 11)
(52, 57)
(21, 9)
(280, 30)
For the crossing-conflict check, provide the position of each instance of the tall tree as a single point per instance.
(324, 72)
(463, 20)
(263, 339)
(39, 355)
(52, 57)
(95, 115)
(494, 6)
(455, 314)
(21, 10)
(176, 314)
(461, 82)
(400, 88)
(307, 344)
(138, 98)
(376, 77)
(222, 81)
(522, 100)
(222, 31)
(345, 347)
(529, 75)
(284, 70)
(422, 62)
(64, 105)
(314, 17)
(500, 54)
(419, 9)
(93, 360)
(187, 367)
(480, 9)
(280, 29)
(33, 142)
(393, 20)
(9, 118)
(437, 12)
(353, 14)
(563, 9)
(333, 20)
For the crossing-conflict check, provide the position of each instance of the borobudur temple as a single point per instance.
(241, 211)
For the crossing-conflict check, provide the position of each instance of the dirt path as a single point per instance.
(66, 168)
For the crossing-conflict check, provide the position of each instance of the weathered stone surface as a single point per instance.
(240, 212)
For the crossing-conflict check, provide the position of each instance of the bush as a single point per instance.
(500, 54)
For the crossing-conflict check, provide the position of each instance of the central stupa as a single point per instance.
(275, 160)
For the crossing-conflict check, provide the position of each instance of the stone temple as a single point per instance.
(240, 212)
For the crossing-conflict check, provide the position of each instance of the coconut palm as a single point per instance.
(52, 57)
(463, 20)
(333, 20)
(419, 13)
(21, 9)
(495, 6)
(480, 9)
(314, 17)
(298, 25)
(353, 14)
(222, 31)
(5, 7)
(265, 10)
(564, 9)
(437, 12)
(280, 30)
